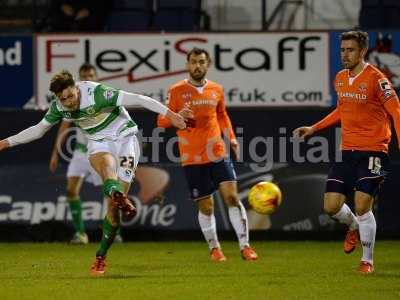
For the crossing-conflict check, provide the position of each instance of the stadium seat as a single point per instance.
(180, 4)
(177, 15)
(125, 21)
(143, 5)
(130, 16)
(379, 14)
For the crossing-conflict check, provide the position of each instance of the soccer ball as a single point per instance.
(265, 197)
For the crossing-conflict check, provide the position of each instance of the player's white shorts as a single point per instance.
(126, 151)
(79, 166)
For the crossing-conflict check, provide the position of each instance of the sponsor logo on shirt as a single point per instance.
(352, 96)
(362, 87)
(203, 102)
(108, 94)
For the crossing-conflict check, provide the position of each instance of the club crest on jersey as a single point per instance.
(108, 94)
(90, 110)
(186, 96)
(67, 114)
(362, 87)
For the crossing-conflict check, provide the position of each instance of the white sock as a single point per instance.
(367, 228)
(346, 216)
(209, 229)
(238, 217)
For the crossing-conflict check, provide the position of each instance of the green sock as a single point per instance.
(76, 212)
(109, 232)
(111, 185)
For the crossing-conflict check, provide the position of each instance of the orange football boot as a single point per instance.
(366, 268)
(217, 255)
(351, 241)
(99, 266)
(249, 253)
(123, 203)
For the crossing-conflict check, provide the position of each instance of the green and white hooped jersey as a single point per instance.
(100, 114)
(80, 140)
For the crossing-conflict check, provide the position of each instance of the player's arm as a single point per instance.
(25, 136)
(330, 120)
(173, 105)
(226, 125)
(131, 99)
(162, 121)
(35, 132)
(390, 101)
(392, 106)
(60, 139)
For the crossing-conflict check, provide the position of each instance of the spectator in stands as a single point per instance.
(379, 14)
(78, 15)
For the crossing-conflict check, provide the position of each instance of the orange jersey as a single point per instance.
(202, 143)
(365, 104)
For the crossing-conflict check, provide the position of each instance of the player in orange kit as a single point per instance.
(366, 101)
(203, 154)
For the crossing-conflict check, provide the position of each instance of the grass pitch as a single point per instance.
(182, 270)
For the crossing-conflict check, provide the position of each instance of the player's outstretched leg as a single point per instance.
(335, 206)
(74, 184)
(114, 189)
(367, 228)
(118, 237)
(80, 236)
(208, 227)
(238, 217)
(110, 226)
(367, 236)
(109, 232)
(346, 216)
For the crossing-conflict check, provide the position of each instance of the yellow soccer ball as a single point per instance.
(265, 197)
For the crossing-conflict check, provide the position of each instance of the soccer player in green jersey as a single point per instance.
(112, 145)
(79, 168)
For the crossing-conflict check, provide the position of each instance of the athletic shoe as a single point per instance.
(118, 239)
(80, 239)
(217, 255)
(366, 268)
(248, 253)
(351, 241)
(99, 266)
(122, 202)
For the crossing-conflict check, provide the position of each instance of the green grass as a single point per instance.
(181, 270)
